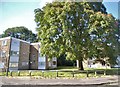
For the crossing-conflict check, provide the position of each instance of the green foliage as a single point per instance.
(21, 33)
(76, 29)
(104, 40)
(62, 61)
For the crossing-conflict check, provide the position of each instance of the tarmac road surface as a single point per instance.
(88, 82)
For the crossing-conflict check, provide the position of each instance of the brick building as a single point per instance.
(16, 54)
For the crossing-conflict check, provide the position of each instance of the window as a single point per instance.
(33, 55)
(3, 53)
(42, 64)
(13, 65)
(4, 42)
(14, 53)
(40, 55)
(54, 62)
(24, 63)
(1, 65)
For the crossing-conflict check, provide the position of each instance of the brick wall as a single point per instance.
(24, 56)
(6, 49)
(34, 50)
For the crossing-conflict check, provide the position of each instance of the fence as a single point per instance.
(56, 73)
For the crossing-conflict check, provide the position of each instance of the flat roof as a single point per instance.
(20, 40)
(37, 43)
(5, 38)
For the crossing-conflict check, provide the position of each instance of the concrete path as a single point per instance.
(88, 82)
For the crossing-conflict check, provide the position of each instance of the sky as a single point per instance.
(21, 12)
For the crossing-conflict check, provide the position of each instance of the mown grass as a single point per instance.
(64, 72)
(110, 71)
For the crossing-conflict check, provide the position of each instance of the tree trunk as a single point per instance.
(80, 65)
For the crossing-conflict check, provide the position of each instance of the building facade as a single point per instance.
(4, 53)
(16, 54)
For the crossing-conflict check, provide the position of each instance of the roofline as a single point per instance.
(37, 43)
(20, 40)
(5, 38)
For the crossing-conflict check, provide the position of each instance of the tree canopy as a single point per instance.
(21, 33)
(76, 29)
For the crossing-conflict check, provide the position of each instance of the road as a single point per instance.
(88, 82)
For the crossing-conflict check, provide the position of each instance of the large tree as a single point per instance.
(75, 29)
(21, 33)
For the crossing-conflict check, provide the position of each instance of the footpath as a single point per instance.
(83, 82)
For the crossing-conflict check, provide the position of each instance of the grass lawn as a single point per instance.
(112, 71)
(65, 72)
(69, 68)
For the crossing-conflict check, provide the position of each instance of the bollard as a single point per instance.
(30, 73)
(18, 73)
(87, 73)
(73, 73)
(57, 73)
(10, 73)
(6, 72)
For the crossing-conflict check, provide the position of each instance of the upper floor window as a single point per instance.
(3, 53)
(14, 53)
(4, 42)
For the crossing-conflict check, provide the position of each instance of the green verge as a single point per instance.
(64, 72)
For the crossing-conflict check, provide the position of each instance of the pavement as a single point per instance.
(107, 81)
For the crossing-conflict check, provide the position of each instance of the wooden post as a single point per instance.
(95, 73)
(7, 72)
(87, 73)
(57, 73)
(42, 73)
(104, 72)
(10, 73)
(73, 73)
(30, 73)
(18, 73)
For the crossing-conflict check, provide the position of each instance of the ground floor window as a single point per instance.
(24, 63)
(54, 62)
(1, 65)
(41, 64)
(13, 65)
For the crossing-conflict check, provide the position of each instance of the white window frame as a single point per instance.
(24, 63)
(2, 65)
(3, 54)
(13, 64)
(14, 53)
(4, 42)
(42, 63)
